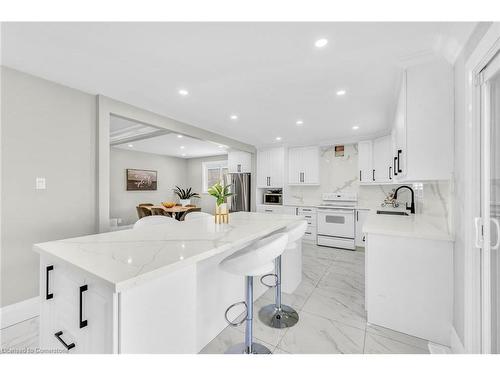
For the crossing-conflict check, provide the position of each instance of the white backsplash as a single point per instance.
(341, 174)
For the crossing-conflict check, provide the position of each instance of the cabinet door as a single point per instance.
(239, 162)
(400, 121)
(365, 162)
(276, 165)
(294, 166)
(360, 220)
(263, 168)
(382, 159)
(303, 166)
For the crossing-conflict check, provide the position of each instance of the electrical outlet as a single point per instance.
(40, 183)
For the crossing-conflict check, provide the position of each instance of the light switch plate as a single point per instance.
(40, 183)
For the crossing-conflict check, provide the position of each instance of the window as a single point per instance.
(213, 172)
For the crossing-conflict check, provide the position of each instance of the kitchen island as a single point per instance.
(409, 275)
(154, 289)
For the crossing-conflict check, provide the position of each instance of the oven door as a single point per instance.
(336, 222)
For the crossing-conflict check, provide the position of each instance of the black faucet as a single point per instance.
(412, 206)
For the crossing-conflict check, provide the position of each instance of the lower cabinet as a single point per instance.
(360, 220)
(76, 311)
(270, 209)
(308, 213)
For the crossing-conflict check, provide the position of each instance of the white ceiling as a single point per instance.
(269, 74)
(171, 144)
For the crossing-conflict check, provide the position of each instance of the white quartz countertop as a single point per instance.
(126, 258)
(413, 226)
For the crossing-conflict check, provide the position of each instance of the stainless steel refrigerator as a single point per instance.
(240, 187)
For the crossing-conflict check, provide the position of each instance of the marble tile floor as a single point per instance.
(330, 302)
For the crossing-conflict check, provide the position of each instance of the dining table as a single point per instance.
(176, 212)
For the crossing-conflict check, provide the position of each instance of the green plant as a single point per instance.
(219, 192)
(185, 194)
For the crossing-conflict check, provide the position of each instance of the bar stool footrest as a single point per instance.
(269, 285)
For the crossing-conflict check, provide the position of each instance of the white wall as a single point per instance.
(195, 180)
(171, 171)
(48, 130)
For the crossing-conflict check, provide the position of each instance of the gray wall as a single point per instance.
(459, 180)
(48, 130)
(195, 180)
(171, 171)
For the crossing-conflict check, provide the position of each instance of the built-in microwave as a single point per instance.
(273, 198)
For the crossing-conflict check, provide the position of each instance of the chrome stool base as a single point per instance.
(242, 349)
(273, 317)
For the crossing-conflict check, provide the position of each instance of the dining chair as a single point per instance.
(152, 220)
(146, 204)
(158, 211)
(142, 211)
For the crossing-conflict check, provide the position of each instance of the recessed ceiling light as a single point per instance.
(234, 117)
(182, 147)
(278, 138)
(299, 122)
(131, 145)
(355, 127)
(221, 146)
(320, 43)
(183, 155)
(179, 135)
(341, 92)
(183, 92)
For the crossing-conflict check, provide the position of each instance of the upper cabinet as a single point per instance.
(365, 161)
(303, 166)
(239, 162)
(420, 146)
(423, 124)
(270, 167)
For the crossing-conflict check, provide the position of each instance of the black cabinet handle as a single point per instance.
(357, 215)
(359, 175)
(83, 323)
(395, 169)
(373, 174)
(363, 238)
(67, 346)
(390, 173)
(47, 294)
(399, 154)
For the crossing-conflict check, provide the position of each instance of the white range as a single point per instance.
(336, 220)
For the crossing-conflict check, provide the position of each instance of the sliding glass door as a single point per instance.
(490, 205)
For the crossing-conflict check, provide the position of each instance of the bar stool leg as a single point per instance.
(249, 347)
(278, 315)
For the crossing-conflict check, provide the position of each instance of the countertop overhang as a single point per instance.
(123, 259)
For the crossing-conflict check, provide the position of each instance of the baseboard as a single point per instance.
(455, 343)
(19, 312)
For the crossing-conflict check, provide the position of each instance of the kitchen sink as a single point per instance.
(401, 213)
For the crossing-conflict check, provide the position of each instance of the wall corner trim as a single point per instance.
(457, 347)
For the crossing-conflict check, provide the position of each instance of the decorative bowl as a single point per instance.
(168, 204)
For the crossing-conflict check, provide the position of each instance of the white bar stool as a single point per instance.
(152, 220)
(278, 315)
(253, 260)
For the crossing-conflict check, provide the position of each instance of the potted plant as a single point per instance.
(220, 193)
(185, 195)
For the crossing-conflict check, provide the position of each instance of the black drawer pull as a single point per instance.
(67, 346)
(395, 169)
(47, 294)
(373, 174)
(83, 323)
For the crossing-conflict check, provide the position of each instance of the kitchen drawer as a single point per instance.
(307, 210)
(342, 243)
(310, 234)
(269, 209)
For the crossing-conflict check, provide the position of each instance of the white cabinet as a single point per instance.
(270, 209)
(76, 311)
(239, 162)
(365, 161)
(270, 167)
(423, 124)
(308, 213)
(360, 220)
(382, 159)
(303, 166)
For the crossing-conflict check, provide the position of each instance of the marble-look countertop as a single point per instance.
(412, 226)
(126, 258)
